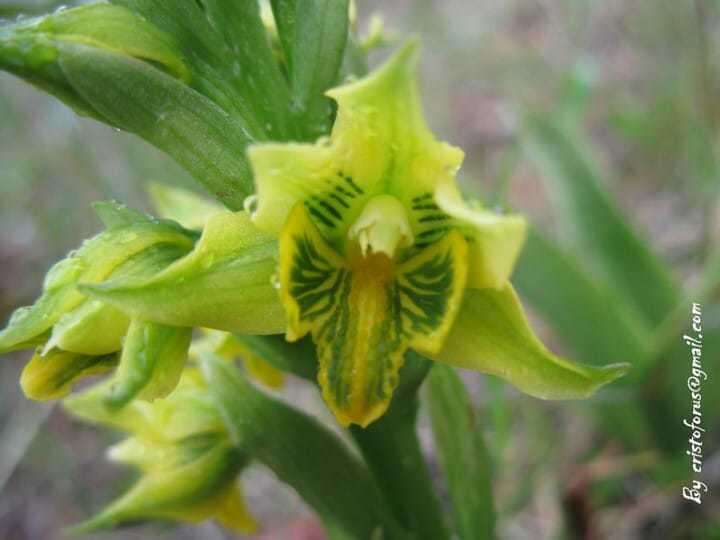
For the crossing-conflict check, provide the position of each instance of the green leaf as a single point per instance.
(134, 96)
(320, 33)
(152, 360)
(117, 29)
(285, 15)
(228, 49)
(297, 357)
(492, 335)
(463, 455)
(302, 453)
(224, 283)
(29, 48)
(591, 220)
(588, 316)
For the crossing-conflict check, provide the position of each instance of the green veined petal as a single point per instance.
(492, 335)
(151, 363)
(288, 173)
(224, 283)
(364, 313)
(495, 240)
(52, 375)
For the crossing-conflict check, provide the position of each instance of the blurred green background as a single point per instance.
(600, 122)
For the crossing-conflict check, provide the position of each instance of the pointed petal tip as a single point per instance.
(361, 417)
(612, 372)
(402, 62)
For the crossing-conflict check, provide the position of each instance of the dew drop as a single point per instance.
(250, 205)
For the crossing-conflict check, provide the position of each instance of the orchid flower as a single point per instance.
(364, 241)
(343, 221)
(188, 465)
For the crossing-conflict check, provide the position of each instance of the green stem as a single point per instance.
(391, 449)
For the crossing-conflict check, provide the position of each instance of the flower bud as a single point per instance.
(189, 466)
(77, 335)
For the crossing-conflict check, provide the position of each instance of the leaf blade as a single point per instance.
(592, 220)
(463, 455)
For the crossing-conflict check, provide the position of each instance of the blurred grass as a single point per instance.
(640, 81)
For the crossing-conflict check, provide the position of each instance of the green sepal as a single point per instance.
(96, 259)
(152, 360)
(608, 327)
(225, 283)
(52, 375)
(462, 453)
(92, 328)
(492, 335)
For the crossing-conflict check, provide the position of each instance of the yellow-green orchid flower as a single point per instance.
(376, 244)
(364, 241)
(76, 336)
(188, 466)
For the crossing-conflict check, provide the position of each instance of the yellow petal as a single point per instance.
(52, 375)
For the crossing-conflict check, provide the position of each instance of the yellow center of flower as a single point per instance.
(382, 226)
